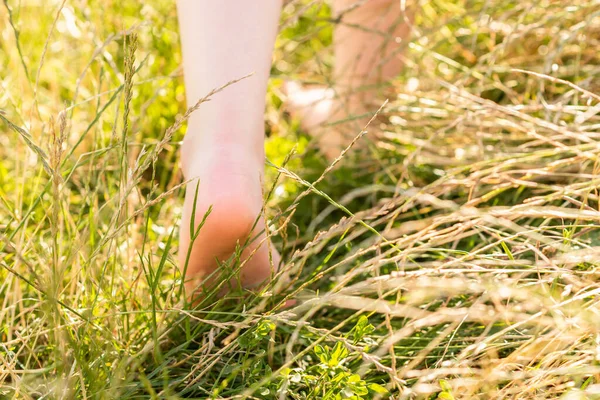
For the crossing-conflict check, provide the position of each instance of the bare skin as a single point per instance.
(231, 184)
(366, 46)
(224, 146)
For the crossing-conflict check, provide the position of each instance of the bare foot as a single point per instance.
(323, 116)
(230, 182)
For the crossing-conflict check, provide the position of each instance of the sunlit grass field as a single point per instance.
(452, 252)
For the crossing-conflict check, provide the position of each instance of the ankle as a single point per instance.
(197, 155)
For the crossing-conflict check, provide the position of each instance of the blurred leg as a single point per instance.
(223, 40)
(366, 43)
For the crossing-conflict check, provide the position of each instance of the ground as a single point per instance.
(451, 253)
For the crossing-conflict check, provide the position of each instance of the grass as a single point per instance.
(452, 255)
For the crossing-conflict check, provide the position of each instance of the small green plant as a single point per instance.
(446, 393)
(328, 374)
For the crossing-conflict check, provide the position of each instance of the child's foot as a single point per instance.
(322, 116)
(332, 122)
(230, 182)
